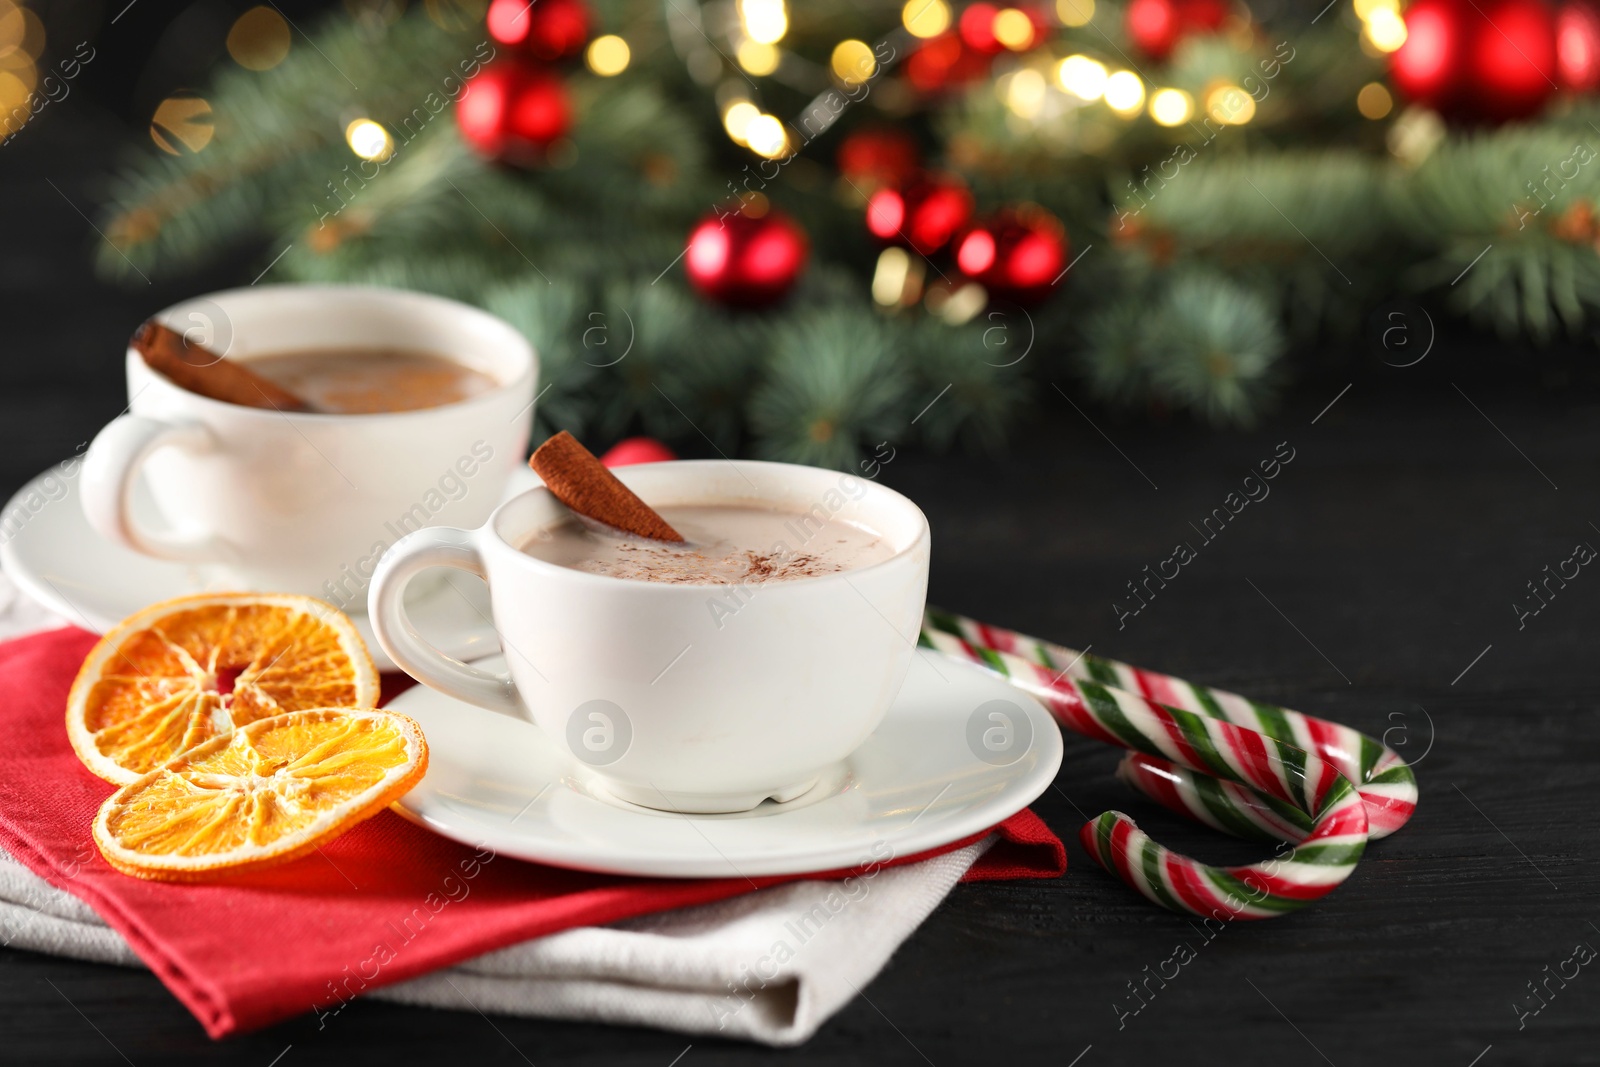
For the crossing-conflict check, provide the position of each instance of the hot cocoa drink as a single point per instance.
(723, 545)
(366, 381)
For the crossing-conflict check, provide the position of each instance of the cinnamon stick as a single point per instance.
(200, 370)
(581, 482)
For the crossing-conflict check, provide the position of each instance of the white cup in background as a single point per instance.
(307, 503)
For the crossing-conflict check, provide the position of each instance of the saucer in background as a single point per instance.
(50, 552)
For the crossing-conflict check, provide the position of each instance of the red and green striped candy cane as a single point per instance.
(1327, 830)
(1386, 782)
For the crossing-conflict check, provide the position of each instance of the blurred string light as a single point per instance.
(608, 55)
(766, 136)
(259, 39)
(1415, 133)
(1230, 105)
(1382, 27)
(1171, 107)
(853, 62)
(369, 140)
(21, 36)
(1074, 12)
(16, 89)
(182, 123)
(21, 41)
(897, 279)
(1083, 77)
(1124, 93)
(1023, 92)
(763, 21)
(737, 118)
(757, 58)
(956, 305)
(926, 18)
(1374, 101)
(1014, 29)
(1386, 30)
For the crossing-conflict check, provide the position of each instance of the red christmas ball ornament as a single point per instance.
(881, 156)
(513, 110)
(1157, 26)
(1202, 16)
(1017, 255)
(547, 29)
(1153, 25)
(1477, 61)
(924, 214)
(746, 262)
(977, 28)
(1578, 47)
(631, 450)
(944, 61)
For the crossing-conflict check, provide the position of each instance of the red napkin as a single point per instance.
(253, 950)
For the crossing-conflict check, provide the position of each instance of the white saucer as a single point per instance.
(54, 557)
(915, 784)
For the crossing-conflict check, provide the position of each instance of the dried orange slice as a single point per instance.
(266, 793)
(181, 672)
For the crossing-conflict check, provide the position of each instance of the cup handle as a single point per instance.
(109, 469)
(433, 546)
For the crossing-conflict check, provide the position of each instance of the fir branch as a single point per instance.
(277, 136)
(836, 379)
(1199, 341)
(1507, 222)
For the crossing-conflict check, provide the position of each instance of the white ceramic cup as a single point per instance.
(307, 503)
(698, 698)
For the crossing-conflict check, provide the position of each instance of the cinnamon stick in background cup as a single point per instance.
(200, 370)
(306, 501)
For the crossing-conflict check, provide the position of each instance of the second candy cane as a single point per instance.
(1202, 762)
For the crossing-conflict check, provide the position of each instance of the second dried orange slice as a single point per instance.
(266, 793)
(182, 672)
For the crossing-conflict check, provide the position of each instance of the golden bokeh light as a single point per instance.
(1385, 29)
(1074, 12)
(1124, 93)
(1230, 105)
(1024, 92)
(764, 21)
(13, 31)
(1374, 101)
(926, 18)
(182, 123)
(14, 95)
(1014, 29)
(757, 58)
(259, 39)
(369, 140)
(766, 136)
(853, 62)
(736, 120)
(1365, 8)
(1083, 77)
(608, 56)
(897, 279)
(21, 36)
(1171, 107)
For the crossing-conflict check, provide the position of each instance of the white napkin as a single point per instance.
(770, 966)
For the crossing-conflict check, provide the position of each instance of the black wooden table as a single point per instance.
(1374, 586)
